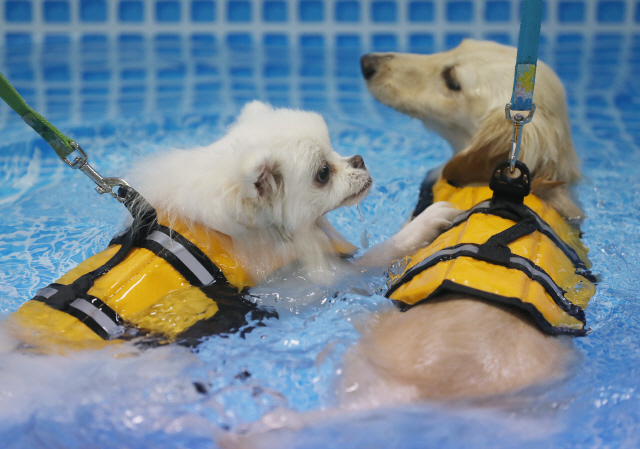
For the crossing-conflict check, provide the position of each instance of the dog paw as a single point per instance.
(440, 214)
(427, 226)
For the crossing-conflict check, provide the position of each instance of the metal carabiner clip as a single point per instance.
(518, 121)
(103, 185)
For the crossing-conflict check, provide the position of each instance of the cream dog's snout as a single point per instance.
(370, 63)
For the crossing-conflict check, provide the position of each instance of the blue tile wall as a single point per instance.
(460, 11)
(56, 11)
(131, 11)
(384, 11)
(18, 11)
(93, 10)
(421, 11)
(497, 11)
(422, 43)
(238, 11)
(347, 11)
(384, 42)
(168, 11)
(116, 17)
(203, 11)
(311, 11)
(571, 11)
(274, 11)
(611, 11)
(60, 53)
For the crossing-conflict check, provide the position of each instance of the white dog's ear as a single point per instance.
(266, 180)
(253, 109)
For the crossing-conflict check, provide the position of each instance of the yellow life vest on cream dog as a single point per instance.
(153, 278)
(522, 254)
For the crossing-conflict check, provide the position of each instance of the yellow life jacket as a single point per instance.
(522, 255)
(173, 283)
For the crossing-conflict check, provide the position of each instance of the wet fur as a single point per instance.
(259, 185)
(461, 347)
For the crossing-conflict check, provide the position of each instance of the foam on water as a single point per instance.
(170, 396)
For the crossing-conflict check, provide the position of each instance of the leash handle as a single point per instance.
(525, 74)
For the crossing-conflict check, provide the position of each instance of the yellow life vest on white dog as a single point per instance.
(153, 278)
(170, 283)
(524, 255)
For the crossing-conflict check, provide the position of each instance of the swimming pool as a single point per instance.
(123, 93)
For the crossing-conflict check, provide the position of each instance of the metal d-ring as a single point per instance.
(518, 121)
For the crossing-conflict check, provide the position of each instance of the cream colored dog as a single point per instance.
(457, 346)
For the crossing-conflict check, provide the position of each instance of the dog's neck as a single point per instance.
(458, 136)
(262, 251)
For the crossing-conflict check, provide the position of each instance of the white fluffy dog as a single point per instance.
(268, 184)
(457, 346)
(256, 200)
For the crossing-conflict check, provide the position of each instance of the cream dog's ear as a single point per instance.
(487, 147)
(546, 149)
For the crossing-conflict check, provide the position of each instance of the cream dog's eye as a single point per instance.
(450, 79)
(323, 174)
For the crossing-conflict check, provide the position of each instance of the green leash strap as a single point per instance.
(62, 145)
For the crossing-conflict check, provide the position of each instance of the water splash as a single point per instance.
(359, 207)
(364, 238)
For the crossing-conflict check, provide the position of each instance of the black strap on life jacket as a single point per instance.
(74, 299)
(425, 198)
(507, 202)
(145, 232)
(521, 212)
(91, 311)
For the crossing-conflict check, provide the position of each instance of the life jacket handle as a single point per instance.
(508, 187)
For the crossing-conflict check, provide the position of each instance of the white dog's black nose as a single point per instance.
(357, 161)
(369, 65)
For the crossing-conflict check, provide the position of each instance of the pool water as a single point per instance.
(122, 99)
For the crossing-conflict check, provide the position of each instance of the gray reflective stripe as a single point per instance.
(184, 255)
(543, 226)
(444, 252)
(533, 269)
(111, 328)
(463, 217)
(46, 292)
(529, 267)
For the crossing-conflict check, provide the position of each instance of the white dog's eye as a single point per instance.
(323, 174)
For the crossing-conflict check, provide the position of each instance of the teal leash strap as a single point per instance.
(527, 59)
(525, 74)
